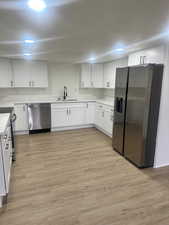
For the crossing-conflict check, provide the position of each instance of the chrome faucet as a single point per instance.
(65, 93)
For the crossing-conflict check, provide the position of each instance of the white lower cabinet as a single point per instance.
(70, 114)
(21, 123)
(77, 114)
(90, 112)
(104, 118)
(59, 115)
(5, 161)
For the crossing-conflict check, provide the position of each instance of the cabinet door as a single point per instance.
(90, 113)
(2, 180)
(39, 74)
(99, 115)
(109, 75)
(85, 75)
(108, 121)
(77, 115)
(21, 123)
(21, 70)
(136, 58)
(97, 75)
(59, 116)
(7, 163)
(155, 55)
(6, 78)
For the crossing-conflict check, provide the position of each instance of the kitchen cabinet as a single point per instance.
(21, 123)
(110, 71)
(104, 118)
(38, 74)
(90, 112)
(153, 55)
(5, 160)
(21, 73)
(99, 115)
(32, 74)
(97, 76)
(68, 114)
(76, 114)
(86, 75)
(6, 76)
(59, 115)
(109, 75)
(92, 75)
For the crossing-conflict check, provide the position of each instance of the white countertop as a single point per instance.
(11, 104)
(4, 119)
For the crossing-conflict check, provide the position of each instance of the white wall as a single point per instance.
(60, 75)
(162, 144)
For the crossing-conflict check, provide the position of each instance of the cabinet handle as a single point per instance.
(23, 107)
(29, 83)
(12, 83)
(7, 147)
(69, 111)
(140, 59)
(92, 83)
(87, 105)
(108, 84)
(144, 57)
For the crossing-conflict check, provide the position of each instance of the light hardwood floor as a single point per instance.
(75, 178)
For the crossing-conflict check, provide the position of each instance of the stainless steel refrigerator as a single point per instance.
(137, 101)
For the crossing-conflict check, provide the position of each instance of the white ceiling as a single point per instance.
(72, 31)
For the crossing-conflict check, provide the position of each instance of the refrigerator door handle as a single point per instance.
(117, 104)
(121, 105)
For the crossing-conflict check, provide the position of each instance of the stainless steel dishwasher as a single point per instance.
(39, 117)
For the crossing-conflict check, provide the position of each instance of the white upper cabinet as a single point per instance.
(109, 75)
(153, 55)
(30, 74)
(110, 71)
(92, 75)
(6, 77)
(97, 76)
(85, 75)
(21, 73)
(39, 74)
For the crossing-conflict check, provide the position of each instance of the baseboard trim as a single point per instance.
(71, 127)
(21, 132)
(104, 131)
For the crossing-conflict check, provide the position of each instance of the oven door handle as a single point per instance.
(14, 117)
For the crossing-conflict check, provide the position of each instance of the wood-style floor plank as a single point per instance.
(75, 178)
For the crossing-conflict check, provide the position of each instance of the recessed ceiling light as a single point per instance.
(29, 41)
(37, 5)
(92, 59)
(27, 54)
(119, 49)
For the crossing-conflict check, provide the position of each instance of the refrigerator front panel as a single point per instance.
(119, 108)
(137, 110)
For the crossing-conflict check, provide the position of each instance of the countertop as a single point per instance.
(11, 104)
(4, 119)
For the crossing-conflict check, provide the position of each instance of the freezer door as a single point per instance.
(137, 110)
(120, 108)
